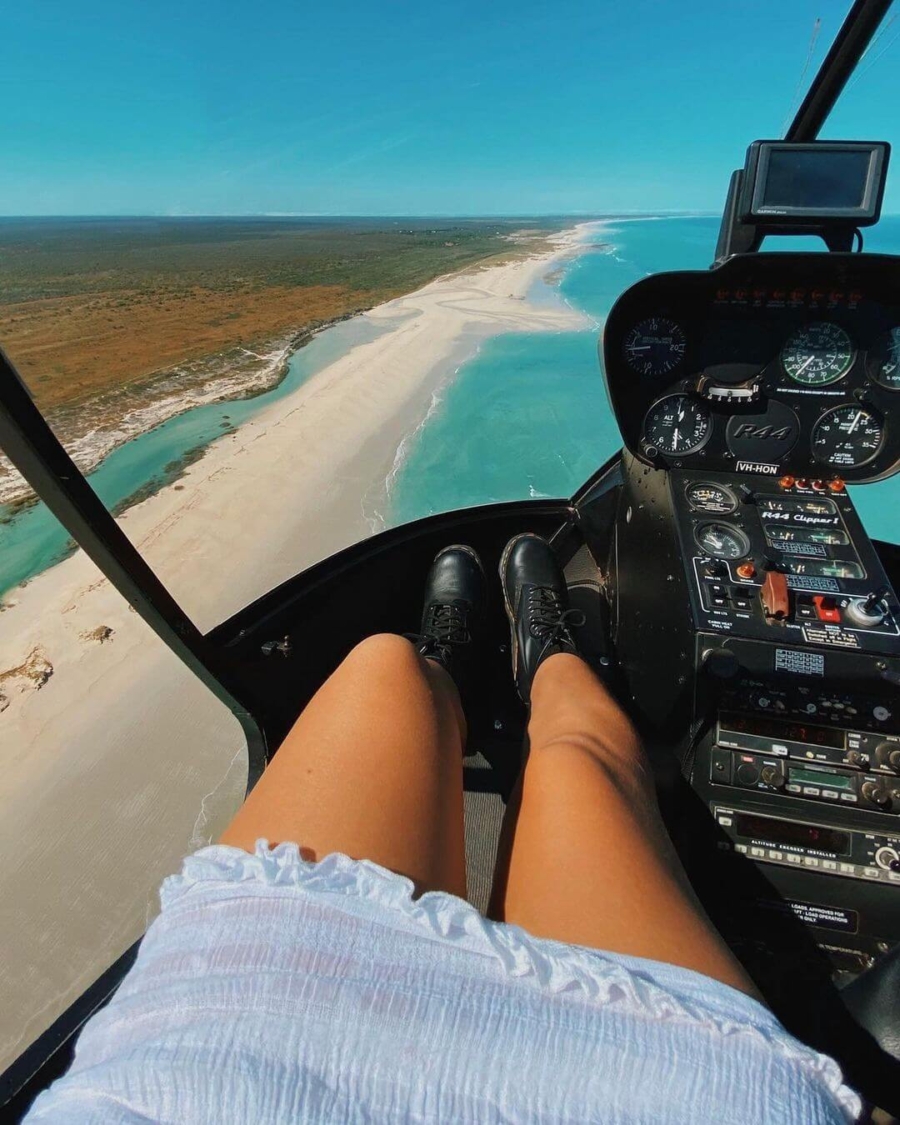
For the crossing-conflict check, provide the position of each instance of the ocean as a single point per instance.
(528, 416)
(525, 417)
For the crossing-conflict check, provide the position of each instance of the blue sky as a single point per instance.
(400, 107)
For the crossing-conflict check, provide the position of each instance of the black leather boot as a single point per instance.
(453, 613)
(537, 605)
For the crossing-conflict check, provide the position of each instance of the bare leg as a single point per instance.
(371, 768)
(589, 860)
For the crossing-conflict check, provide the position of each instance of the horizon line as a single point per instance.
(688, 212)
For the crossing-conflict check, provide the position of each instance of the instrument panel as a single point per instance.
(767, 365)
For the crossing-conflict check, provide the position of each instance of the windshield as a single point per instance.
(282, 283)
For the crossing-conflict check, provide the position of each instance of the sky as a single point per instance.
(373, 107)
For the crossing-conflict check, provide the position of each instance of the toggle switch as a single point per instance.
(775, 596)
(826, 609)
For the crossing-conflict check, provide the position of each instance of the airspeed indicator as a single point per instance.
(817, 354)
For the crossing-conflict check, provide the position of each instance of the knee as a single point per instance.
(385, 651)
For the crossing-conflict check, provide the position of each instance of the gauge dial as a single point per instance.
(817, 354)
(655, 346)
(847, 436)
(713, 498)
(884, 360)
(723, 541)
(677, 424)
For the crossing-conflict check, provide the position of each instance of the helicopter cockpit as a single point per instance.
(731, 593)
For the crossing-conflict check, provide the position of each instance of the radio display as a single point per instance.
(772, 728)
(815, 836)
(829, 780)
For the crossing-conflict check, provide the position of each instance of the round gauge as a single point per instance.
(884, 360)
(714, 498)
(723, 540)
(655, 346)
(817, 354)
(847, 436)
(677, 424)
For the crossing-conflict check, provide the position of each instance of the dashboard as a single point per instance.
(770, 364)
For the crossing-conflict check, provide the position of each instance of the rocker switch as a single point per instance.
(826, 609)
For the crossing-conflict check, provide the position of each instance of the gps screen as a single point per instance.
(821, 180)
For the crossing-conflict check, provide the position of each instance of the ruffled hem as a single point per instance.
(553, 966)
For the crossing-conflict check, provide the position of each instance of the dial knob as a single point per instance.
(876, 793)
(747, 774)
(854, 758)
(888, 858)
(772, 776)
(888, 754)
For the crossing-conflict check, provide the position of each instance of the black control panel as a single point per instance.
(805, 844)
(768, 655)
(770, 363)
(785, 560)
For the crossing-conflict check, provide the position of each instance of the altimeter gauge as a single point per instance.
(883, 360)
(655, 346)
(817, 354)
(677, 424)
(847, 436)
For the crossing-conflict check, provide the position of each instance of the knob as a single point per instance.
(888, 858)
(854, 758)
(772, 776)
(888, 754)
(866, 612)
(715, 568)
(747, 774)
(721, 663)
(747, 495)
(876, 793)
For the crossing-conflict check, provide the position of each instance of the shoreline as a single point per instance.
(99, 716)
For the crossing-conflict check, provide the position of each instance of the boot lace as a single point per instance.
(443, 627)
(548, 621)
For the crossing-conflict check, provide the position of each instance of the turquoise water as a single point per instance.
(528, 415)
(35, 539)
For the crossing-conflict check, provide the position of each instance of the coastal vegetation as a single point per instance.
(89, 306)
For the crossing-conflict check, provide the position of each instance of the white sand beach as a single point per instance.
(115, 760)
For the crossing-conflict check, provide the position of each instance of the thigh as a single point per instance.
(371, 768)
(588, 859)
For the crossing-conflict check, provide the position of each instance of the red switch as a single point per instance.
(826, 609)
(775, 596)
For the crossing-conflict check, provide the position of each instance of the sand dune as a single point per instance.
(115, 761)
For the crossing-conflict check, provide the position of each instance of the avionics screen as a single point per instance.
(824, 179)
(763, 828)
(828, 780)
(772, 728)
